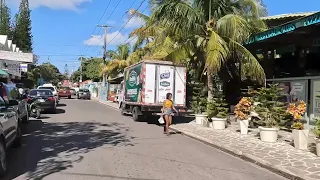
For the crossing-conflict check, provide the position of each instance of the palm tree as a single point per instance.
(117, 60)
(213, 30)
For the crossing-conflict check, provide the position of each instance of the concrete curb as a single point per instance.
(104, 103)
(247, 157)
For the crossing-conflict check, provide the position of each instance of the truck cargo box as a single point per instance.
(148, 82)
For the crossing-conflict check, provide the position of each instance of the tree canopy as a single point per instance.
(46, 71)
(91, 68)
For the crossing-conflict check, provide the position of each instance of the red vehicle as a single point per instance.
(65, 92)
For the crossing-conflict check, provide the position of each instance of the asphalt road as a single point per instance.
(86, 140)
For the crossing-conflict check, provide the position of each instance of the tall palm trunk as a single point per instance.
(210, 84)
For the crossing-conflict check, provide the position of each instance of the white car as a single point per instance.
(52, 88)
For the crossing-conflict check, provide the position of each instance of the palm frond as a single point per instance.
(217, 52)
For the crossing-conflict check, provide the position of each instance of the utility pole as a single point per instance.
(105, 27)
(80, 69)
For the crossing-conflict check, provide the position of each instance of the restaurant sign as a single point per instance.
(286, 28)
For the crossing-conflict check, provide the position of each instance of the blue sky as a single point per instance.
(61, 28)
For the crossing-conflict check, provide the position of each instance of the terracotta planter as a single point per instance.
(244, 124)
(300, 138)
(269, 135)
(219, 123)
(200, 118)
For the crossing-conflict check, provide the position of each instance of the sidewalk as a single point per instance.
(280, 157)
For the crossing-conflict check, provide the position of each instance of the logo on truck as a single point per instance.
(164, 83)
(132, 81)
(165, 75)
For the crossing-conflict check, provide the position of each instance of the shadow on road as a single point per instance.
(58, 111)
(52, 147)
(61, 105)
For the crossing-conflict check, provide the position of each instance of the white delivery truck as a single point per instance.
(146, 84)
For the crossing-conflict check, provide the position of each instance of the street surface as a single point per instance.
(86, 140)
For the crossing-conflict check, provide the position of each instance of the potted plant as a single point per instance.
(316, 132)
(217, 111)
(243, 110)
(270, 112)
(300, 135)
(199, 103)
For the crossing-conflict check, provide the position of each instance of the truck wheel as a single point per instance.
(135, 115)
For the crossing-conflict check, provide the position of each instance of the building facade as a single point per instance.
(12, 59)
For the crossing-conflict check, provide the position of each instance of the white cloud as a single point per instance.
(134, 22)
(116, 37)
(54, 4)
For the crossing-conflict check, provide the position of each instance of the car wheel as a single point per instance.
(18, 141)
(3, 159)
(69, 97)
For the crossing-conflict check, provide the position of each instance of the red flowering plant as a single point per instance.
(297, 110)
(244, 108)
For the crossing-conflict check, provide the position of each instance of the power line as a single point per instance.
(123, 15)
(126, 23)
(105, 22)
(95, 27)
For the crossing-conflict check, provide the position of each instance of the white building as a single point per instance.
(11, 58)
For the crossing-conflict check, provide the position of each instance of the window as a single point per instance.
(65, 88)
(50, 88)
(40, 93)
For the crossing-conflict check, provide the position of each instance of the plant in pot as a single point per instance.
(243, 110)
(270, 111)
(299, 134)
(316, 132)
(217, 111)
(199, 103)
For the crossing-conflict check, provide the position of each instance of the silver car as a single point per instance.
(83, 94)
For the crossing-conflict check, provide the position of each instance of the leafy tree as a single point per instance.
(22, 32)
(48, 72)
(5, 18)
(118, 60)
(91, 69)
(212, 33)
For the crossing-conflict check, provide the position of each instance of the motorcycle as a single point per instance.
(34, 108)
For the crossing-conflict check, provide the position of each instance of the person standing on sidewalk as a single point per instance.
(167, 111)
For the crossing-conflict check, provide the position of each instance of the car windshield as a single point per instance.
(40, 93)
(50, 88)
(84, 90)
(65, 88)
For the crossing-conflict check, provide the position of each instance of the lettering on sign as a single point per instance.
(165, 83)
(165, 75)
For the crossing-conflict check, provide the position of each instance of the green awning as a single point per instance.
(3, 73)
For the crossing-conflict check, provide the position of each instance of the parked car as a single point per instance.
(73, 91)
(46, 99)
(84, 94)
(53, 89)
(65, 92)
(10, 130)
(10, 92)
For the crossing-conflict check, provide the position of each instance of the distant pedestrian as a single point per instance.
(167, 111)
